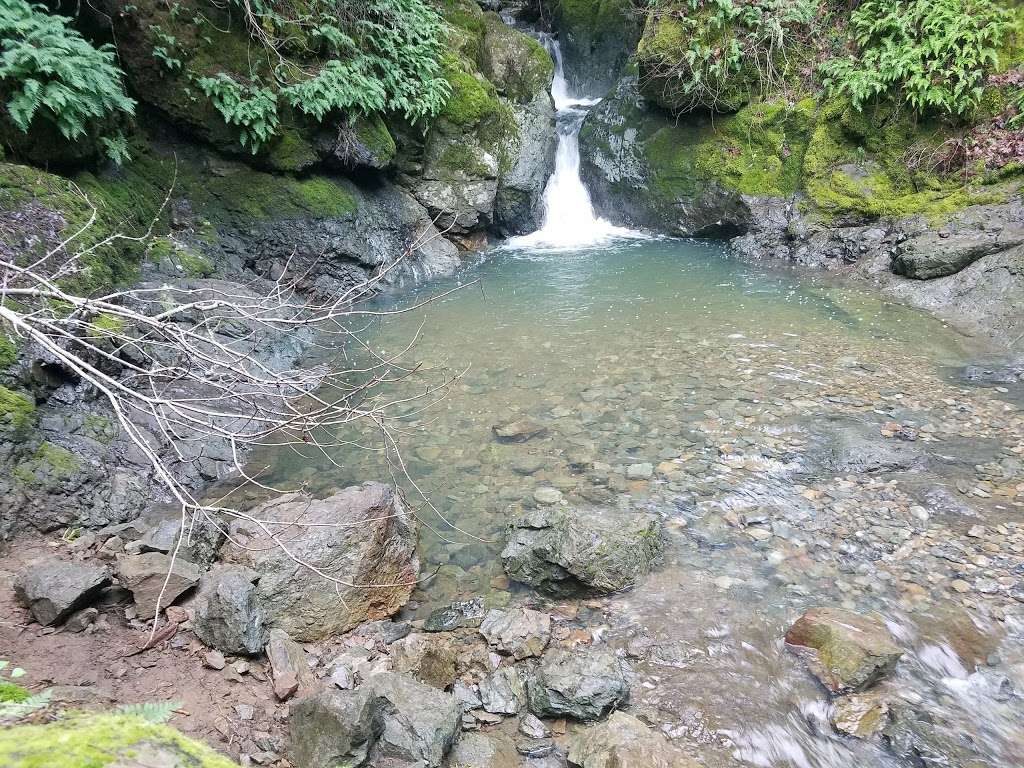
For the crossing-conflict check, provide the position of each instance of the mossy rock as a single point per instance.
(103, 740)
(519, 67)
(48, 467)
(597, 37)
(8, 352)
(17, 413)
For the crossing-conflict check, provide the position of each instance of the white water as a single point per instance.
(569, 218)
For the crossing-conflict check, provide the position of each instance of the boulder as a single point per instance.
(428, 658)
(845, 651)
(519, 632)
(503, 693)
(864, 715)
(145, 575)
(622, 741)
(582, 684)
(288, 665)
(367, 558)
(54, 589)
(333, 728)
(478, 750)
(567, 551)
(420, 722)
(227, 616)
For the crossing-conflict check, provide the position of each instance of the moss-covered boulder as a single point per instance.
(97, 741)
(597, 38)
(518, 66)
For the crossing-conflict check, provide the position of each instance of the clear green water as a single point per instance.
(669, 350)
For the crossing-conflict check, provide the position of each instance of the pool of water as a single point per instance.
(729, 378)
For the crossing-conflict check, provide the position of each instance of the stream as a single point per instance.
(809, 443)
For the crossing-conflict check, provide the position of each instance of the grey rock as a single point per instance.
(288, 665)
(420, 722)
(227, 615)
(426, 657)
(582, 684)
(864, 715)
(531, 726)
(145, 575)
(459, 615)
(503, 693)
(519, 199)
(372, 540)
(622, 741)
(53, 589)
(478, 750)
(214, 660)
(518, 431)
(81, 620)
(568, 551)
(333, 728)
(519, 632)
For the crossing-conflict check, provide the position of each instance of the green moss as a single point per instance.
(8, 352)
(594, 17)
(17, 412)
(472, 98)
(11, 693)
(49, 466)
(99, 427)
(322, 197)
(373, 134)
(290, 152)
(460, 158)
(97, 741)
(108, 323)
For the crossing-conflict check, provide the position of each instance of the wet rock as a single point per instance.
(477, 750)
(459, 615)
(420, 722)
(853, 448)
(925, 740)
(503, 692)
(564, 552)
(288, 665)
(227, 615)
(144, 576)
(622, 741)
(53, 589)
(428, 658)
(519, 632)
(582, 684)
(863, 715)
(518, 431)
(334, 728)
(371, 540)
(845, 651)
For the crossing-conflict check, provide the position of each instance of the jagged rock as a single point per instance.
(582, 684)
(520, 632)
(531, 726)
(53, 589)
(622, 741)
(333, 728)
(81, 620)
(371, 540)
(503, 692)
(227, 616)
(518, 431)
(288, 665)
(845, 651)
(420, 722)
(477, 750)
(144, 576)
(567, 551)
(428, 658)
(863, 715)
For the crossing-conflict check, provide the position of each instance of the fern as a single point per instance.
(251, 108)
(151, 712)
(54, 74)
(12, 711)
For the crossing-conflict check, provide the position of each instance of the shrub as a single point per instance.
(931, 54)
(53, 74)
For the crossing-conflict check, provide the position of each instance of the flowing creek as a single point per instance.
(809, 444)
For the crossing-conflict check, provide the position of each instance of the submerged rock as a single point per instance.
(53, 589)
(622, 741)
(518, 431)
(567, 551)
(465, 613)
(863, 715)
(227, 614)
(845, 651)
(367, 552)
(582, 684)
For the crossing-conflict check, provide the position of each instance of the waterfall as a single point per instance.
(569, 218)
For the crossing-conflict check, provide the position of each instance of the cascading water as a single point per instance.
(569, 218)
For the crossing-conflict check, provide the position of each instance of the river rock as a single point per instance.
(568, 551)
(519, 632)
(863, 715)
(458, 615)
(428, 658)
(371, 540)
(583, 684)
(333, 728)
(54, 589)
(227, 614)
(288, 665)
(518, 431)
(144, 576)
(845, 651)
(503, 692)
(622, 741)
(420, 722)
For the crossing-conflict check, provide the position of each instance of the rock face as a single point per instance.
(420, 722)
(53, 590)
(145, 576)
(568, 551)
(845, 651)
(371, 541)
(582, 684)
(519, 632)
(227, 614)
(622, 741)
(597, 38)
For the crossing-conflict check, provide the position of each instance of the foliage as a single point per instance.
(711, 53)
(151, 712)
(931, 54)
(54, 74)
(252, 109)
